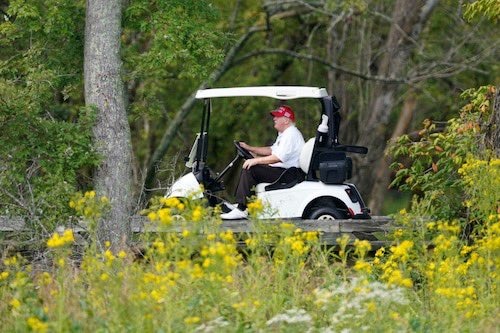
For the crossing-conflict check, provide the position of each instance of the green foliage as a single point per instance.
(165, 41)
(429, 166)
(169, 48)
(488, 8)
(45, 133)
(47, 150)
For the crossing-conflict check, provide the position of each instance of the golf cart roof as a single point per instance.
(277, 92)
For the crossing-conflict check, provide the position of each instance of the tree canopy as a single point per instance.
(415, 58)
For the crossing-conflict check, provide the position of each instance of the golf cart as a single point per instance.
(315, 191)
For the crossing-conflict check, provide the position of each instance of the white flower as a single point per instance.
(291, 316)
(213, 325)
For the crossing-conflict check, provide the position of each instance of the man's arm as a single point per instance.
(261, 151)
(269, 159)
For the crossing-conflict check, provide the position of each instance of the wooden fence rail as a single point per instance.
(372, 230)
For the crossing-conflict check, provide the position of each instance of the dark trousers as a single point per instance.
(253, 176)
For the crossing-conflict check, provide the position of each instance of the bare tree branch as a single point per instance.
(169, 134)
(319, 60)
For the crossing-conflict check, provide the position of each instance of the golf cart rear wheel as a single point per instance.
(326, 213)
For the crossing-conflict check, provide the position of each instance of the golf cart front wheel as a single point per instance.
(326, 213)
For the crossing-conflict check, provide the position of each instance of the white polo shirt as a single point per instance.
(287, 148)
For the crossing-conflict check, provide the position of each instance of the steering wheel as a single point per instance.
(242, 151)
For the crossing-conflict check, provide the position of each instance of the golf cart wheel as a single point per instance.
(326, 213)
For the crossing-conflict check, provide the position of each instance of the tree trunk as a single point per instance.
(409, 17)
(382, 172)
(492, 140)
(104, 90)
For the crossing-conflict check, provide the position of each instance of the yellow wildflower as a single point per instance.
(396, 278)
(109, 256)
(287, 226)
(361, 247)
(394, 315)
(363, 266)
(170, 202)
(255, 207)
(197, 272)
(192, 320)
(58, 241)
(238, 306)
(37, 325)
(251, 242)
(12, 261)
(15, 303)
(207, 262)
(311, 236)
(227, 236)
(380, 252)
(157, 296)
(46, 278)
(298, 247)
(61, 262)
(401, 251)
(371, 306)
(164, 216)
(398, 233)
(197, 214)
(466, 249)
(152, 216)
(89, 194)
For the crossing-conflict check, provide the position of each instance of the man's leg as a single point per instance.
(253, 176)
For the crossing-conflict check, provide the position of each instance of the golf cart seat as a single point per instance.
(289, 178)
(292, 176)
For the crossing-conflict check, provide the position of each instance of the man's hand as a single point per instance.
(256, 151)
(245, 145)
(250, 163)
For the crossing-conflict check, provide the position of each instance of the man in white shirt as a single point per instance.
(269, 162)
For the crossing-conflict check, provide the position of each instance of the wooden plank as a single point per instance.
(11, 223)
(330, 231)
(371, 226)
(142, 224)
(336, 226)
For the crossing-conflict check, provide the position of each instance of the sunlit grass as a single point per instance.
(430, 278)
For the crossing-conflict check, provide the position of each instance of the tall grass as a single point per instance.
(440, 273)
(283, 280)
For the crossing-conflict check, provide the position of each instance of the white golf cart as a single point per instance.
(315, 191)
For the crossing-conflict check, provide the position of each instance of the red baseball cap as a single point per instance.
(284, 111)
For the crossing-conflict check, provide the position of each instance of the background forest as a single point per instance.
(97, 113)
(391, 64)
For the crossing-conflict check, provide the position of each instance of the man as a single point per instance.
(269, 162)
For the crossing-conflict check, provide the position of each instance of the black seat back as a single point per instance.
(331, 166)
(289, 178)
